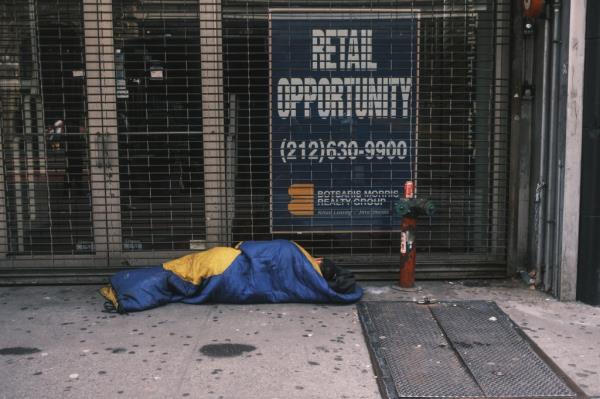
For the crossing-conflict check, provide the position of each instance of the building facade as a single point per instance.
(135, 131)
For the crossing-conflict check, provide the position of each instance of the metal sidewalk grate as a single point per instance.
(454, 350)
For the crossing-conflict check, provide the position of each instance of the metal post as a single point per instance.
(518, 129)
(102, 125)
(567, 263)
(519, 260)
(540, 190)
(213, 129)
(552, 158)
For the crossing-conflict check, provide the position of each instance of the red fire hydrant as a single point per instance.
(410, 208)
(408, 251)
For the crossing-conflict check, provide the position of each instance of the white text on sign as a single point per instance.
(344, 96)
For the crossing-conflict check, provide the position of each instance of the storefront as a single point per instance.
(136, 131)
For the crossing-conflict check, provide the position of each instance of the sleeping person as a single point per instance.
(253, 272)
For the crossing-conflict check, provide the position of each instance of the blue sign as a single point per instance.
(343, 117)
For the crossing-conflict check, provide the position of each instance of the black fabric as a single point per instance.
(339, 279)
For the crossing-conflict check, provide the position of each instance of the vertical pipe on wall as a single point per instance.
(520, 133)
(540, 190)
(523, 154)
(552, 150)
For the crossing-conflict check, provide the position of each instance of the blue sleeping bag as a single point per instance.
(253, 272)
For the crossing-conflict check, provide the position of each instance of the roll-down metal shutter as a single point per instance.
(460, 139)
(135, 131)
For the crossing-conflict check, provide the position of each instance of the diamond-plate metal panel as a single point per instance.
(501, 361)
(412, 351)
(453, 350)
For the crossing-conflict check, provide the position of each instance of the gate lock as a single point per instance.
(410, 208)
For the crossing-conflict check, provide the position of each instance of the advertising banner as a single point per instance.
(343, 90)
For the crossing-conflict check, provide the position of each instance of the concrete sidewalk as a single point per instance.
(56, 342)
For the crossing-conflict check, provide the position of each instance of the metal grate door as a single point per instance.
(460, 140)
(134, 131)
(102, 136)
(159, 116)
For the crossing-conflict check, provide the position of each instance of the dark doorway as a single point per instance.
(159, 105)
(588, 273)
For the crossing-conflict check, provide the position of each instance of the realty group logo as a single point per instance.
(302, 199)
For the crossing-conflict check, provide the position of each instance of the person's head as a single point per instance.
(327, 268)
(339, 279)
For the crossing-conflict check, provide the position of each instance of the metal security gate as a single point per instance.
(460, 139)
(102, 134)
(134, 131)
